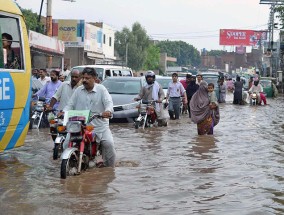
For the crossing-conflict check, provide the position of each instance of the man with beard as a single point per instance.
(49, 89)
(65, 91)
(65, 72)
(95, 97)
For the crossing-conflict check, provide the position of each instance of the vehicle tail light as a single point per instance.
(89, 127)
(52, 121)
(61, 128)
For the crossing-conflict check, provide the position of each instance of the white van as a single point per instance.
(105, 71)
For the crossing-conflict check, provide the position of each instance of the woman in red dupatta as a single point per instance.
(204, 115)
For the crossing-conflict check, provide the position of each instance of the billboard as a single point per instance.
(93, 38)
(238, 37)
(240, 49)
(70, 31)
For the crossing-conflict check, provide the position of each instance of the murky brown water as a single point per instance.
(238, 170)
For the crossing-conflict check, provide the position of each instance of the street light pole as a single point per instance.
(49, 27)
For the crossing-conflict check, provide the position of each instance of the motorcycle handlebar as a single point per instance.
(148, 101)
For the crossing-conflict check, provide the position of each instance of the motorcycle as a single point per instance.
(147, 114)
(253, 99)
(58, 134)
(39, 118)
(82, 148)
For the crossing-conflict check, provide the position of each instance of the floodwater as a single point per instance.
(238, 170)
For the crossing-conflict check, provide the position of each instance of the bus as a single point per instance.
(15, 77)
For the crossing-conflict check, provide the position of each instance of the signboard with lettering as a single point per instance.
(234, 37)
(7, 98)
(70, 31)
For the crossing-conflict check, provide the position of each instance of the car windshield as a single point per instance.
(99, 72)
(164, 82)
(265, 83)
(211, 79)
(120, 86)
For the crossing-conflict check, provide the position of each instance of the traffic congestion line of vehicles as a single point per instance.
(124, 88)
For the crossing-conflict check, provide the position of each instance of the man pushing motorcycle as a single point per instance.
(152, 90)
(95, 97)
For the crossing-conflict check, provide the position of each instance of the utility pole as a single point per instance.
(49, 28)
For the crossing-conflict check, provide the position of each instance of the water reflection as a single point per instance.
(14, 185)
(88, 191)
(204, 146)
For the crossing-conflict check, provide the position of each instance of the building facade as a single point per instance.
(85, 43)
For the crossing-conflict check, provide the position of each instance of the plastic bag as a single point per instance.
(164, 113)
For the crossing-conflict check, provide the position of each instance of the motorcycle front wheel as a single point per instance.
(69, 166)
(56, 151)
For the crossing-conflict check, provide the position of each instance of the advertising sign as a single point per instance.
(70, 31)
(67, 30)
(240, 49)
(91, 43)
(233, 37)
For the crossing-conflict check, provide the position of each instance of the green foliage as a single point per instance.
(31, 20)
(135, 42)
(152, 58)
(280, 14)
(186, 54)
(215, 52)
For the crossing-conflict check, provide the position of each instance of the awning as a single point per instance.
(94, 55)
(44, 44)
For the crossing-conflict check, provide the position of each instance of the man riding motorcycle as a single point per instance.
(256, 88)
(95, 97)
(152, 90)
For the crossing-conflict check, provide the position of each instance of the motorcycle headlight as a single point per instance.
(73, 126)
(39, 103)
(39, 108)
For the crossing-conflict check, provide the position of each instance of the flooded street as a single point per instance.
(238, 170)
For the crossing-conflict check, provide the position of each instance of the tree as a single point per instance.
(216, 52)
(134, 43)
(280, 14)
(152, 58)
(31, 20)
(186, 54)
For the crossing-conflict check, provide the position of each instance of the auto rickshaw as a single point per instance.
(269, 87)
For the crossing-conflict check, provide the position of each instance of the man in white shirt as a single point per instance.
(199, 78)
(65, 72)
(65, 91)
(42, 77)
(256, 88)
(175, 91)
(95, 97)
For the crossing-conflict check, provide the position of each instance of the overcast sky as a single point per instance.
(196, 22)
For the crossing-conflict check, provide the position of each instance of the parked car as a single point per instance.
(164, 82)
(212, 77)
(123, 90)
(267, 84)
(105, 71)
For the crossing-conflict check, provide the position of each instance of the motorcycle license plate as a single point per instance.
(139, 118)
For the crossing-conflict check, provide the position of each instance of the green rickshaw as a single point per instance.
(269, 87)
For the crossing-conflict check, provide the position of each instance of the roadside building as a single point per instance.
(85, 43)
(43, 47)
